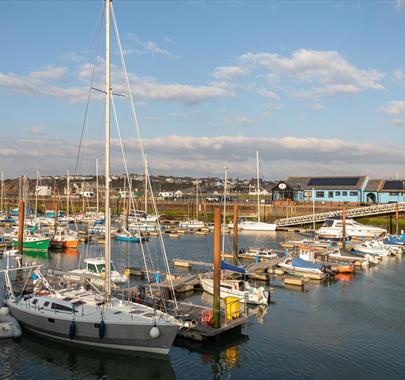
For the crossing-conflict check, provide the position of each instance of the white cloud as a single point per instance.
(149, 46)
(49, 72)
(318, 73)
(239, 120)
(267, 93)
(316, 106)
(398, 75)
(398, 122)
(188, 155)
(394, 108)
(399, 5)
(228, 73)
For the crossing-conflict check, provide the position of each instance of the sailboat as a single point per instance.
(91, 318)
(190, 224)
(249, 225)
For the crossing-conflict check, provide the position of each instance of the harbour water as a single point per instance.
(340, 330)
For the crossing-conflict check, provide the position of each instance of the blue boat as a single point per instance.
(297, 264)
(125, 237)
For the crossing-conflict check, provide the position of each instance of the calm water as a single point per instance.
(346, 329)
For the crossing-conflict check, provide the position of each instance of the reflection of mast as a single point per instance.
(196, 200)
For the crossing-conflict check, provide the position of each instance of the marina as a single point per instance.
(190, 196)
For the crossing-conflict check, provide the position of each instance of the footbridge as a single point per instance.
(358, 212)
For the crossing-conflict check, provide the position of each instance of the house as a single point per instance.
(178, 194)
(44, 191)
(328, 189)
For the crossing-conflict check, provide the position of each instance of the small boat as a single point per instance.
(297, 264)
(367, 247)
(127, 236)
(32, 243)
(239, 289)
(261, 252)
(345, 255)
(251, 225)
(95, 267)
(191, 224)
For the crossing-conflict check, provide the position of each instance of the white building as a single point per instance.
(44, 191)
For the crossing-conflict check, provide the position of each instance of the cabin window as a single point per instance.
(344, 193)
(353, 193)
(330, 194)
(57, 306)
(320, 194)
(46, 303)
(327, 223)
(337, 193)
(92, 268)
(35, 301)
(393, 194)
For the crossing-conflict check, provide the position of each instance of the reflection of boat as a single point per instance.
(85, 363)
(344, 276)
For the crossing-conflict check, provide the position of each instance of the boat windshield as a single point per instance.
(101, 268)
(327, 223)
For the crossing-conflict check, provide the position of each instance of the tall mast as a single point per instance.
(2, 190)
(258, 184)
(98, 206)
(146, 187)
(67, 194)
(224, 216)
(36, 195)
(107, 251)
(197, 199)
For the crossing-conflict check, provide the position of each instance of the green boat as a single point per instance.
(32, 243)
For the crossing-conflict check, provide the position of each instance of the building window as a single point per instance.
(353, 193)
(320, 194)
(337, 193)
(330, 194)
(344, 193)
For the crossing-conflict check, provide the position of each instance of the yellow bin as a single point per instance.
(232, 307)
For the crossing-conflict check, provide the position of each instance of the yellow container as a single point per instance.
(232, 307)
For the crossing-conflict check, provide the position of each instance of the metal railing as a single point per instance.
(357, 212)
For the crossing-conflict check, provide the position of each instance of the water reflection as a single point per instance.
(52, 359)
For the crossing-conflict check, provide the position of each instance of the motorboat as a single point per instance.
(95, 268)
(191, 224)
(349, 256)
(261, 252)
(367, 247)
(296, 264)
(65, 238)
(332, 228)
(239, 289)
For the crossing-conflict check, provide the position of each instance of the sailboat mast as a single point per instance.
(107, 251)
(258, 184)
(67, 194)
(36, 195)
(146, 188)
(196, 200)
(97, 197)
(2, 191)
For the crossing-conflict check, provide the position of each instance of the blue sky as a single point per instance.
(316, 87)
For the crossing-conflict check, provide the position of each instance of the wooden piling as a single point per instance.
(235, 234)
(217, 268)
(21, 210)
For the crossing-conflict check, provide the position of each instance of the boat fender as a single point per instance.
(268, 297)
(72, 329)
(4, 310)
(154, 332)
(101, 329)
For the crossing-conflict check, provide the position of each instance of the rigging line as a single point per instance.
(127, 174)
(141, 145)
(89, 91)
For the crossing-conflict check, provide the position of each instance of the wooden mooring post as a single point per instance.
(235, 234)
(217, 269)
(396, 219)
(344, 227)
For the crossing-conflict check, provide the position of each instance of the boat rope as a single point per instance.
(89, 91)
(137, 129)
